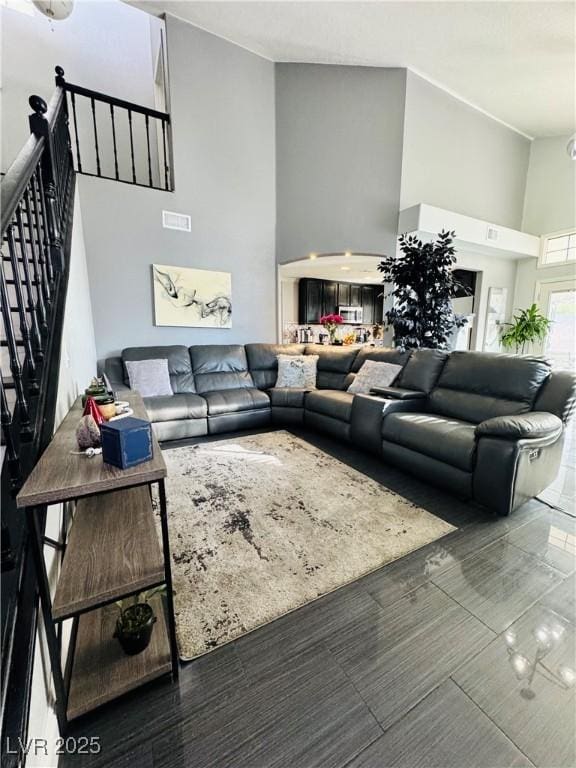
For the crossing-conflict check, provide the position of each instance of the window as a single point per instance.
(558, 249)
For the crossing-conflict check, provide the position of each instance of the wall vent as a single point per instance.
(180, 221)
(491, 233)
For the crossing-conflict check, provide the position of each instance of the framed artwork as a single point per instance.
(495, 317)
(193, 298)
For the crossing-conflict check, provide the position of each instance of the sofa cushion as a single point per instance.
(374, 374)
(220, 366)
(263, 361)
(234, 400)
(331, 402)
(175, 407)
(179, 366)
(287, 397)
(297, 371)
(381, 355)
(422, 370)
(475, 386)
(149, 377)
(445, 439)
(334, 365)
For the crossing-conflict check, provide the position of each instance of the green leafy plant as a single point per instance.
(130, 621)
(422, 287)
(529, 326)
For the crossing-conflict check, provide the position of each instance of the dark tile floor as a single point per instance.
(415, 665)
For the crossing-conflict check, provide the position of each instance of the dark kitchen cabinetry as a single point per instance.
(367, 303)
(310, 297)
(330, 297)
(323, 297)
(344, 295)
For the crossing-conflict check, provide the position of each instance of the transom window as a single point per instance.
(558, 248)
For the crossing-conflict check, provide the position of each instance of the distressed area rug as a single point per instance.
(261, 525)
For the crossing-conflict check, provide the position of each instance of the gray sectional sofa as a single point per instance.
(487, 427)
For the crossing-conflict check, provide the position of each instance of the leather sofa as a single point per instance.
(487, 427)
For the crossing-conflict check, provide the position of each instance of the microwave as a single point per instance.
(351, 315)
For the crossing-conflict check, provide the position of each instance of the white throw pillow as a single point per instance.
(149, 377)
(374, 374)
(297, 371)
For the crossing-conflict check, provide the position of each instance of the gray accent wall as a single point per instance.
(222, 106)
(339, 158)
(457, 158)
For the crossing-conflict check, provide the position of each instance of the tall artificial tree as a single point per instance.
(422, 288)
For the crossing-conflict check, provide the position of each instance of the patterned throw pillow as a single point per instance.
(297, 371)
(149, 377)
(374, 374)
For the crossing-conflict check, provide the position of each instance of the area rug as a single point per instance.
(261, 525)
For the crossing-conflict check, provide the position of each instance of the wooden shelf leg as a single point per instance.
(168, 577)
(49, 628)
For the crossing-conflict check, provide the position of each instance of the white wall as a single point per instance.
(77, 366)
(459, 159)
(222, 109)
(550, 202)
(495, 273)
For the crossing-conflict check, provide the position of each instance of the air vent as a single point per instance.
(181, 221)
(491, 233)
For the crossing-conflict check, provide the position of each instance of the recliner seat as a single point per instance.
(485, 426)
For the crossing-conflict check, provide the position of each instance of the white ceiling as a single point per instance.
(356, 268)
(514, 60)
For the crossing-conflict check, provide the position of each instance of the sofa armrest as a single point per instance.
(367, 415)
(397, 393)
(533, 425)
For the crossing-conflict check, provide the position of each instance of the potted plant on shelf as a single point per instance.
(331, 323)
(529, 326)
(136, 621)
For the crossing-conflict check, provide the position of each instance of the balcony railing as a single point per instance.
(117, 139)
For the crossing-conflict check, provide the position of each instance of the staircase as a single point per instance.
(78, 132)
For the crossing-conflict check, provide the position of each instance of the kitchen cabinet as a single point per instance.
(330, 302)
(323, 297)
(355, 295)
(310, 297)
(344, 295)
(367, 304)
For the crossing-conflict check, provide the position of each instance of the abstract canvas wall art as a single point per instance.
(194, 298)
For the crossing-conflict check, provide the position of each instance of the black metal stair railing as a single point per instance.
(129, 142)
(36, 196)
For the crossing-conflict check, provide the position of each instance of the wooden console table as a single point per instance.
(112, 551)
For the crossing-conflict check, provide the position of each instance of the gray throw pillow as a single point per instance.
(374, 374)
(297, 371)
(149, 377)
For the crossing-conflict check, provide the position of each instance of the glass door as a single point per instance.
(558, 303)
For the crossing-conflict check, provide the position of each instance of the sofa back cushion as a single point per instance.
(422, 370)
(334, 365)
(220, 366)
(475, 386)
(179, 367)
(263, 361)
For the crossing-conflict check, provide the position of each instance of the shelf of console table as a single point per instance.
(61, 475)
(117, 529)
(102, 671)
(112, 551)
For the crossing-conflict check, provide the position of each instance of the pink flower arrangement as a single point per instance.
(331, 322)
(328, 320)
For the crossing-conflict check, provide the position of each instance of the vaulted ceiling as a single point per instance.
(514, 60)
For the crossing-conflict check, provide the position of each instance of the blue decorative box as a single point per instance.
(126, 442)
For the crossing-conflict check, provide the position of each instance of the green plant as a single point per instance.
(131, 621)
(529, 325)
(422, 287)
